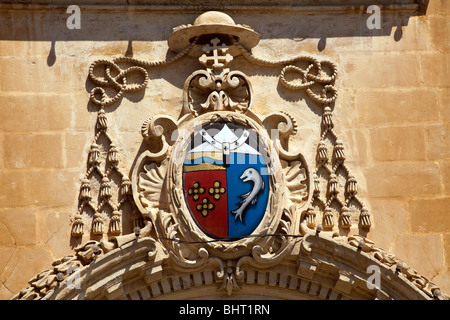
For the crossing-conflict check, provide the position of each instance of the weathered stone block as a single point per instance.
(386, 107)
(359, 145)
(445, 170)
(403, 179)
(444, 104)
(421, 252)
(33, 150)
(398, 143)
(20, 225)
(381, 71)
(2, 152)
(435, 68)
(440, 33)
(438, 141)
(446, 239)
(33, 112)
(12, 189)
(33, 75)
(23, 264)
(51, 229)
(438, 7)
(38, 187)
(430, 215)
(76, 146)
(391, 219)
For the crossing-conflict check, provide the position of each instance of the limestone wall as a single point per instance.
(393, 113)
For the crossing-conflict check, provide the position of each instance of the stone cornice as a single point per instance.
(413, 7)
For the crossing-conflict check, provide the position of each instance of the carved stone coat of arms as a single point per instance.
(218, 181)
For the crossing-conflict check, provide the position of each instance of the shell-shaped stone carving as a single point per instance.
(295, 176)
(150, 184)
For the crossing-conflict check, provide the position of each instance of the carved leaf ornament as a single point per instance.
(215, 189)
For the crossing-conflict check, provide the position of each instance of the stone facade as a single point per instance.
(391, 115)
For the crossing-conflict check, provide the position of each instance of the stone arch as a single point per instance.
(319, 268)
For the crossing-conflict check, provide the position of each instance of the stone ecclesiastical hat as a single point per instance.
(212, 22)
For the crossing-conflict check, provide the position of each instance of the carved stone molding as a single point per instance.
(317, 268)
(235, 6)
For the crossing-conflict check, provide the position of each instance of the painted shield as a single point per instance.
(225, 180)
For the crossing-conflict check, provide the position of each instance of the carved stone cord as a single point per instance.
(103, 159)
(119, 81)
(330, 164)
(310, 76)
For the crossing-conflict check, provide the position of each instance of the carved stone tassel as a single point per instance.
(97, 224)
(327, 118)
(77, 228)
(125, 187)
(105, 188)
(333, 185)
(352, 188)
(322, 155)
(345, 218)
(94, 154)
(328, 222)
(310, 217)
(102, 122)
(85, 190)
(339, 151)
(115, 223)
(316, 184)
(112, 154)
(365, 218)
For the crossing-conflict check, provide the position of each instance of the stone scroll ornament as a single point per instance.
(215, 188)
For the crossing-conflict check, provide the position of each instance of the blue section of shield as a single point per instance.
(236, 188)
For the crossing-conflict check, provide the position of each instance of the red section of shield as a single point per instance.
(213, 221)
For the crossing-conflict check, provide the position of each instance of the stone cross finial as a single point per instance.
(219, 61)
